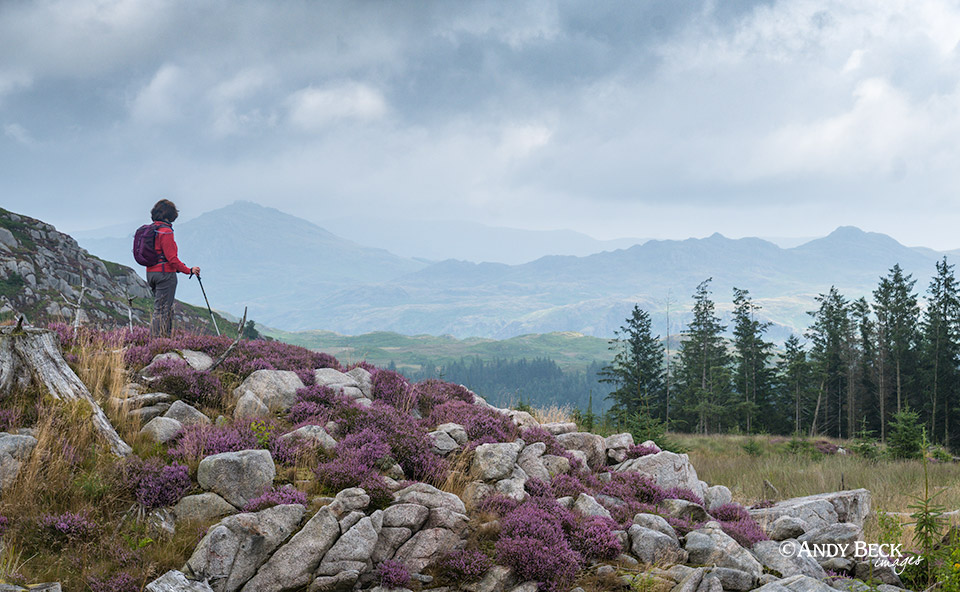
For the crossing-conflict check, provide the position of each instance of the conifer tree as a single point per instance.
(705, 380)
(752, 354)
(793, 374)
(897, 315)
(940, 350)
(636, 371)
(829, 334)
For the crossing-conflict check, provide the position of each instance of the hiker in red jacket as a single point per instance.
(162, 277)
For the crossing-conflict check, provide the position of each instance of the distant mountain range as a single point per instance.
(295, 275)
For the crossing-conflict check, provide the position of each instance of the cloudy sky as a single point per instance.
(646, 118)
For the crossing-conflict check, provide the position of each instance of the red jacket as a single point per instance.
(168, 247)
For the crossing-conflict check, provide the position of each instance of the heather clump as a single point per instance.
(594, 538)
(393, 389)
(464, 566)
(358, 459)
(639, 450)
(276, 496)
(634, 487)
(177, 378)
(745, 531)
(407, 439)
(564, 485)
(433, 392)
(59, 530)
(314, 404)
(730, 512)
(534, 543)
(198, 441)
(118, 582)
(482, 425)
(153, 484)
(9, 419)
(393, 574)
(683, 493)
(538, 488)
(497, 503)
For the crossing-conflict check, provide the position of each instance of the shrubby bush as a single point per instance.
(393, 574)
(465, 566)
(482, 425)
(533, 541)
(152, 483)
(177, 378)
(277, 496)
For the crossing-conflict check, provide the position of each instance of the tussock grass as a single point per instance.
(894, 484)
(459, 476)
(553, 414)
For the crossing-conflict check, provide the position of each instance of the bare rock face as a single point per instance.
(186, 414)
(344, 384)
(822, 509)
(235, 548)
(277, 389)
(202, 507)
(161, 429)
(238, 477)
(715, 496)
(426, 547)
(617, 446)
(653, 547)
(591, 445)
(768, 552)
(586, 505)
(787, 527)
(657, 523)
(313, 434)
(493, 462)
(175, 581)
(668, 469)
(354, 548)
(711, 546)
(364, 379)
(14, 450)
(531, 461)
(292, 566)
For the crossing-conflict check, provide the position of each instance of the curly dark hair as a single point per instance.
(164, 210)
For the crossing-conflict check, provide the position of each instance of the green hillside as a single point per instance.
(571, 351)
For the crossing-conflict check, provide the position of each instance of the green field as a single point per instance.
(571, 351)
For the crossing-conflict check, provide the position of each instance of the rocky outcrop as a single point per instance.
(48, 267)
(820, 510)
(234, 549)
(709, 545)
(14, 451)
(238, 477)
(277, 389)
(667, 469)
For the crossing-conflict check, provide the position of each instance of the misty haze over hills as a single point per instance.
(295, 275)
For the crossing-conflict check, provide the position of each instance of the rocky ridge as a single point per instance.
(43, 271)
(343, 544)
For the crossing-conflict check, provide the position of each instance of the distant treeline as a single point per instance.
(860, 366)
(538, 382)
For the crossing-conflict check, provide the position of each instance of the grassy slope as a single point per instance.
(894, 485)
(571, 351)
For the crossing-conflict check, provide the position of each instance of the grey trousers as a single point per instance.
(164, 287)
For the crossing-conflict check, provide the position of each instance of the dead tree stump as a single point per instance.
(32, 355)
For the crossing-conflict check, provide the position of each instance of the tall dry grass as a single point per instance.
(553, 414)
(894, 484)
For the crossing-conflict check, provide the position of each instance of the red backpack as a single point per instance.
(144, 245)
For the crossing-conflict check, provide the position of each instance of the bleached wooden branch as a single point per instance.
(30, 354)
(226, 353)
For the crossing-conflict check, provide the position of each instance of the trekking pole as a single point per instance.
(212, 318)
